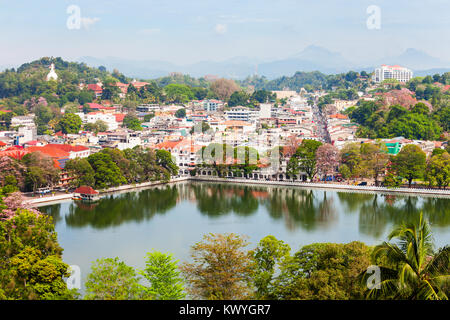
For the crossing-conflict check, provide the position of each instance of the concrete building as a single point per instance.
(392, 72)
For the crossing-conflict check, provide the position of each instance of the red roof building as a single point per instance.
(86, 190)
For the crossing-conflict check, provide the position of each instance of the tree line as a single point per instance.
(371, 160)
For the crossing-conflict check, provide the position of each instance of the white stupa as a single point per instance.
(52, 74)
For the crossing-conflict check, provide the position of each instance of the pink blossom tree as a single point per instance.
(12, 203)
(327, 159)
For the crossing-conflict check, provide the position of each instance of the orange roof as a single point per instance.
(167, 145)
(15, 153)
(2, 144)
(119, 117)
(338, 116)
(50, 150)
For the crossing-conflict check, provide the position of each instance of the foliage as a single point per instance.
(410, 163)
(410, 268)
(161, 271)
(268, 255)
(323, 271)
(305, 159)
(220, 270)
(112, 279)
(30, 264)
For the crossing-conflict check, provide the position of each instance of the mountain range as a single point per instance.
(312, 58)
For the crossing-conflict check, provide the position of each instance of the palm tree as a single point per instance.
(410, 268)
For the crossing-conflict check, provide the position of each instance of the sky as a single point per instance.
(189, 31)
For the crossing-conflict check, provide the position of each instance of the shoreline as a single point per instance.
(52, 199)
(38, 201)
(344, 187)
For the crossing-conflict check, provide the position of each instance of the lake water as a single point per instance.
(171, 218)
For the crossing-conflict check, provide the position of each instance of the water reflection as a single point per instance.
(298, 208)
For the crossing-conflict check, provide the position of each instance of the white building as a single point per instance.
(92, 117)
(392, 72)
(242, 114)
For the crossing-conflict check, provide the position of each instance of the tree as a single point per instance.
(112, 279)
(437, 171)
(161, 271)
(70, 123)
(411, 269)
(164, 159)
(181, 113)
(82, 172)
(132, 122)
(268, 255)
(220, 270)
(410, 163)
(306, 157)
(238, 98)
(345, 171)
(30, 258)
(107, 173)
(178, 93)
(374, 159)
(327, 159)
(351, 156)
(41, 171)
(224, 88)
(323, 271)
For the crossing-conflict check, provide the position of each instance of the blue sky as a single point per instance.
(189, 31)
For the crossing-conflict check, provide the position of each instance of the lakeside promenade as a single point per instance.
(441, 193)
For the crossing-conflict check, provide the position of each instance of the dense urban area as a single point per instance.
(66, 127)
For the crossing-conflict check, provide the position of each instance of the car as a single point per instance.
(362, 183)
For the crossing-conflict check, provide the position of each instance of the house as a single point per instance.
(96, 88)
(86, 193)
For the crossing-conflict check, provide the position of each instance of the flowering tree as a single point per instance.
(327, 159)
(13, 202)
(11, 167)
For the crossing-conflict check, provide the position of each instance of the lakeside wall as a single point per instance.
(50, 199)
(432, 192)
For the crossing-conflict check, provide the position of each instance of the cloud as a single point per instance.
(150, 31)
(87, 22)
(220, 28)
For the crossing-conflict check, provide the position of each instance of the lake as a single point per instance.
(171, 218)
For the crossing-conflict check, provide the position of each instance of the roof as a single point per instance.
(119, 117)
(167, 144)
(94, 87)
(85, 190)
(236, 123)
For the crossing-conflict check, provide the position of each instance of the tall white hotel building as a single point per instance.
(392, 72)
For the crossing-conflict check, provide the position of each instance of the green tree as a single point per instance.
(305, 158)
(132, 122)
(410, 163)
(107, 173)
(437, 171)
(112, 279)
(161, 271)
(268, 255)
(30, 259)
(181, 113)
(324, 271)
(375, 158)
(410, 268)
(238, 98)
(164, 160)
(351, 156)
(82, 172)
(70, 123)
